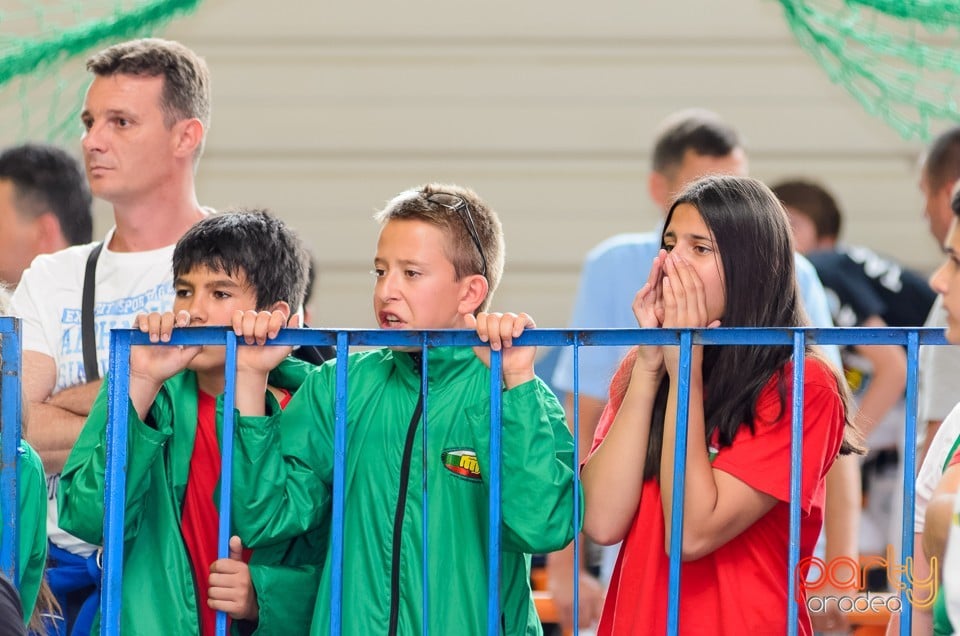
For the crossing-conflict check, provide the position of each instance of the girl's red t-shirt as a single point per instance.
(741, 587)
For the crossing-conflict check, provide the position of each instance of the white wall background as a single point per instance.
(323, 111)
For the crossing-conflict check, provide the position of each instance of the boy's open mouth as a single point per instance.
(390, 321)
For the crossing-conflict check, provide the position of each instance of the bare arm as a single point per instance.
(841, 522)
(613, 477)
(931, 545)
(76, 399)
(932, 427)
(923, 595)
(51, 429)
(887, 384)
(590, 410)
(841, 517)
(936, 528)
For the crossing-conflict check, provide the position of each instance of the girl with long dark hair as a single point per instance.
(726, 259)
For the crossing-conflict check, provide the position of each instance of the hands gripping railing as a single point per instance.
(121, 340)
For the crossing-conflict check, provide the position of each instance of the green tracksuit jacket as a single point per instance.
(159, 592)
(284, 474)
(32, 526)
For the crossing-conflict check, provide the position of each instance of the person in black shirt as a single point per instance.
(864, 289)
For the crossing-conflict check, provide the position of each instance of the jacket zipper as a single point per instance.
(398, 518)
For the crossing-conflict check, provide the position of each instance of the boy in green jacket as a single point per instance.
(32, 529)
(172, 580)
(439, 258)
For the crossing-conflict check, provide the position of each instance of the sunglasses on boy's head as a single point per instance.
(457, 204)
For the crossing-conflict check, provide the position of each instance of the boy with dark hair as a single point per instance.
(44, 206)
(814, 214)
(223, 265)
(439, 258)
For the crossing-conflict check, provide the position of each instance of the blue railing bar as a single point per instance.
(576, 482)
(115, 481)
(744, 335)
(339, 475)
(565, 337)
(493, 548)
(912, 337)
(909, 481)
(424, 380)
(796, 474)
(10, 413)
(679, 481)
(226, 462)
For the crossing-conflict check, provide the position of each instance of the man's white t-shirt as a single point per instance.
(48, 301)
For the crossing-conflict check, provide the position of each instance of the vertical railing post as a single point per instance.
(424, 381)
(226, 461)
(114, 482)
(576, 481)
(10, 414)
(796, 474)
(909, 480)
(679, 479)
(339, 476)
(493, 549)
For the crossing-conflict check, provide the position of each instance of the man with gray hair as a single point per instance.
(145, 118)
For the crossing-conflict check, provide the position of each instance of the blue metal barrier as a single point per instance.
(121, 340)
(10, 396)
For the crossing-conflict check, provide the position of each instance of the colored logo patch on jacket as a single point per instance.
(461, 462)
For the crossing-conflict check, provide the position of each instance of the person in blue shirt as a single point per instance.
(690, 144)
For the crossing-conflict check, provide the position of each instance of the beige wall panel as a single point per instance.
(323, 112)
(490, 101)
(286, 20)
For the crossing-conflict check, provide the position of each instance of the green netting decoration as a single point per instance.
(43, 46)
(899, 58)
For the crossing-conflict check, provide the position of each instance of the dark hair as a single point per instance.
(463, 253)
(955, 201)
(311, 278)
(252, 242)
(186, 79)
(47, 179)
(942, 162)
(814, 201)
(753, 238)
(696, 129)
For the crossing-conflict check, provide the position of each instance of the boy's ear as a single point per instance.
(473, 292)
(281, 305)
